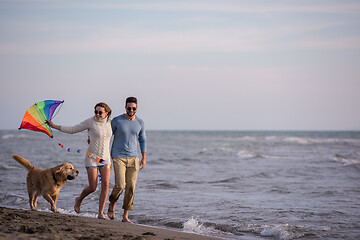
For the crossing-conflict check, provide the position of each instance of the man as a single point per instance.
(128, 131)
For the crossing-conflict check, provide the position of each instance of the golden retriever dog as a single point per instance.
(46, 183)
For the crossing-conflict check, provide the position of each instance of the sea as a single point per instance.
(225, 184)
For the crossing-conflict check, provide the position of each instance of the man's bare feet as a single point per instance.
(126, 217)
(111, 211)
(126, 220)
(101, 216)
(77, 205)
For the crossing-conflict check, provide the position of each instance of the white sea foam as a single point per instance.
(271, 138)
(300, 140)
(287, 231)
(278, 231)
(350, 159)
(247, 139)
(8, 167)
(224, 149)
(243, 154)
(72, 212)
(297, 140)
(9, 136)
(193, 226)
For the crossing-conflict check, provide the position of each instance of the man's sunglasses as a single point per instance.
(131, 108)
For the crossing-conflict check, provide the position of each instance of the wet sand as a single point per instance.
(27, 224)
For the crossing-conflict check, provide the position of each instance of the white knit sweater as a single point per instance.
(100, 133)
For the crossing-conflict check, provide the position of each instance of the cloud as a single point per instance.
(201, 33)
(235, 6)
(344, 43)
(225, 6)
(232, 39)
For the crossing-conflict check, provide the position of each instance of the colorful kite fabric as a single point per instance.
(35, 117)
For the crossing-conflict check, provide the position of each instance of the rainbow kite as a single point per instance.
(35, 117)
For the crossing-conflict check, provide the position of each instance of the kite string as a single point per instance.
(68, 149)
(78, 151)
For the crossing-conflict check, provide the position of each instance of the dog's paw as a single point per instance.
(54, 210)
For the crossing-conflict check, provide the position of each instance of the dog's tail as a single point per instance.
(23, 162)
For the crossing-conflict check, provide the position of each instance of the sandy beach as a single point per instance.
(26, 224)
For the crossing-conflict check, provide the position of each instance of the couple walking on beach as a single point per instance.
(128, 130)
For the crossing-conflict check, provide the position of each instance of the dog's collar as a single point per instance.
(55, 179)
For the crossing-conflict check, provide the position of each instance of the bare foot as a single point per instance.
(101, 216)
(111, 211)
(77, 205)
(126, 220)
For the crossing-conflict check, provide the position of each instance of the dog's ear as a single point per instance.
(61, 169)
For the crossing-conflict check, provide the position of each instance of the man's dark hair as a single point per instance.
(131, 100)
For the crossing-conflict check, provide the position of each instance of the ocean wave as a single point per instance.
(243, 154)
(162, 185)
(14, 200)
(193, 226)
(9, 167)
(165, 186)
(344, 141)
(71, 212)
(210, 151)
(298, 140)
(9, 136)
(171, 160)
(282, 231)
(262, 175)
(279, 190)
(348, 159)
(227, 180)
(276, 139)
(273, 231)
(286, 231)
(194, 182)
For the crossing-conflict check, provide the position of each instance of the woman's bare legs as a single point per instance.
(105, 179)
(92, 178)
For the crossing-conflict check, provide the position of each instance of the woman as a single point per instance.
(98, 155)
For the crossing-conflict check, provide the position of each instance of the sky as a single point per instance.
(193, 65)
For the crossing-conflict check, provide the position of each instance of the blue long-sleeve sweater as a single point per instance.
(127, 135)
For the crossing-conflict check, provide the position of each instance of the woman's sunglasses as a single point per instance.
(98, 112)
(131, 108)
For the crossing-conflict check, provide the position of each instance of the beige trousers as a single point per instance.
(126, 171)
